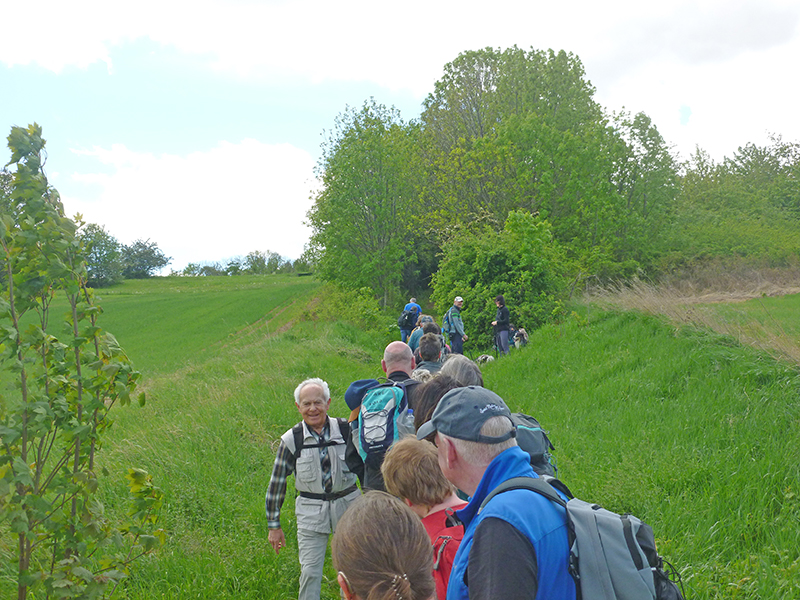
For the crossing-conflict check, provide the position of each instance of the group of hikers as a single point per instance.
(412, 324)
(417, 450)
(432, 490)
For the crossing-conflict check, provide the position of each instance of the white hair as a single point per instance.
(312, 381)
(421, 375)
(483, 454)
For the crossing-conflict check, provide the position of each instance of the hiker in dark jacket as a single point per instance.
(501, 325)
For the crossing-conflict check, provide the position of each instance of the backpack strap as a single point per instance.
(297, 434)
(439, 549)
(535, 484)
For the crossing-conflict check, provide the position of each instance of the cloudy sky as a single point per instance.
(197, 124)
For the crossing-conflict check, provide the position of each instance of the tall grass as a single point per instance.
(752, 318)
(689, 430)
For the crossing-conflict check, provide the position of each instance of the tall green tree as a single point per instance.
(69, 374)
(646, 179)
(103, 256)
(360, 216)
(516, 129)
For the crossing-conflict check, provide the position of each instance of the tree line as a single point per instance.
(109, 261)
(516, 137)
(255, 263)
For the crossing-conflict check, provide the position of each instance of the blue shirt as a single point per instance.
(413, 306)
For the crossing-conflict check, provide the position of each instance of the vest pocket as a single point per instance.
(307, 466)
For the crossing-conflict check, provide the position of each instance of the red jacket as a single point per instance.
(445, 545)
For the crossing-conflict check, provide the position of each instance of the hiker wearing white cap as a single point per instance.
(515, 545)
(454, 326)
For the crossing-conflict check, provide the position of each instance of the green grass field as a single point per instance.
(689, 430)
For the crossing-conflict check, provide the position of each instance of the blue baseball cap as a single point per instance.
(356, 390)
(463, 411)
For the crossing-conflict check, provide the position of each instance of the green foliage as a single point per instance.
(264, 263)
(502, 131)
(746, 206)
(523, 263)
(142, 259)
(360, 216)
(357, 307)
(68, 374)
(103, 256)
(520, 130)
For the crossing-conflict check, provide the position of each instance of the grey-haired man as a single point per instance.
(516, 546)
(314, 450)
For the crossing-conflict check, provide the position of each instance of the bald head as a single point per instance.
(398, 357)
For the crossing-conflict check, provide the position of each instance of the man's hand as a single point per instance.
(277, 539)
(463, 338)
(494, 323)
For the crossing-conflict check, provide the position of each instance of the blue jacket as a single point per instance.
(541, 521)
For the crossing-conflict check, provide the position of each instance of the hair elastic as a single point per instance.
(396, 585)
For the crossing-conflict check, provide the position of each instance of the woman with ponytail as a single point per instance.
(382, 552)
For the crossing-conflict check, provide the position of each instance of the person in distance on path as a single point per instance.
(325, 485)
(501, 325)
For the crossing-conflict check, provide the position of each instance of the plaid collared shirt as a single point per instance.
(283, 467)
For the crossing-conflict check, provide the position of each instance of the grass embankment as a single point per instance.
(761, 314)
(216, 409)
(692, 432)
(688, 430)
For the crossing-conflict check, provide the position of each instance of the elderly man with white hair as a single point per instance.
(314, 450)
(515, 543)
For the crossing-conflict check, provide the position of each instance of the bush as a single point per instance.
(522, 262)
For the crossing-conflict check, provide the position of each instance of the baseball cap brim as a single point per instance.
(425, 430)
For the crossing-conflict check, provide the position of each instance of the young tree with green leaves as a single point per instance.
(69, 374)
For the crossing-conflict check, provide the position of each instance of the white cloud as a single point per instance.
(653, 57)
(207, 206)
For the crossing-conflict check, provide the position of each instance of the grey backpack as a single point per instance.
(612, 557)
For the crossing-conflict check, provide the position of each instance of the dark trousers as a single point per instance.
(456, 344)
(501, 339)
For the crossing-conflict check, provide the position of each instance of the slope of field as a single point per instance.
(165, 322)
(765, 320)
(689, 430)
